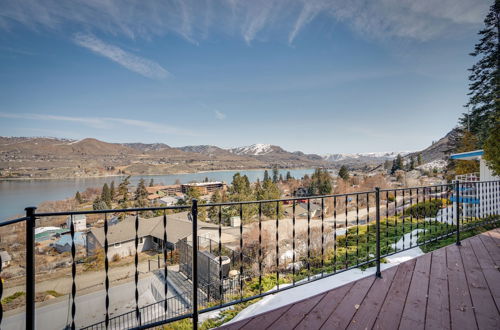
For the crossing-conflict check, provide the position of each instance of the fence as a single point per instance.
(279, 244)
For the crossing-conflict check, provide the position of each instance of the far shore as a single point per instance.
(148, 175)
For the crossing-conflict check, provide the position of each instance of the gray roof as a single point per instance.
(5, 256)
(178, 227)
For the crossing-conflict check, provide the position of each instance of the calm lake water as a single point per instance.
(16, 195)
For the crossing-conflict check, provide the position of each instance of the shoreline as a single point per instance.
(147, 175)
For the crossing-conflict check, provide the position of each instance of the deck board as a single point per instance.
(438, 307)
(416, 302)
(462, 314)
(294, 315)
(484, 306)
(455, 287)
(492, 245)
(489, 269)
(392, 309)
(367, 313)
(342, 315)
(317, 316)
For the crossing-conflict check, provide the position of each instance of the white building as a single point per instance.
(479, 192)
(79, 221)
(5, 256)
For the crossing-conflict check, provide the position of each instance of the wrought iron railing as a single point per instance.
(278, 245)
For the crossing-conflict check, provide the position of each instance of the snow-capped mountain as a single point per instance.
(257, 150)
(365, 156)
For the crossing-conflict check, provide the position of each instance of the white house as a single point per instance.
(79, 221)
(5, 258)
(479, 192)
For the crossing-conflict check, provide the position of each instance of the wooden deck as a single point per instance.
(450, 288)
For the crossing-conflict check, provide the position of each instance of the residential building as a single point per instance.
(6, 259)
(121, 236)
(79, 222)
(478, 199)
(204, 187)
(63, 244)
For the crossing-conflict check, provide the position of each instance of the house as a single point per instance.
(169, 200)
(301, 210)
(169, 190)
(153, 197)
(63, 244)
(79, 222)
(5, 258)
(43, 234)
(204, 187)
(477, 199)
(121, 237)
(301, 192)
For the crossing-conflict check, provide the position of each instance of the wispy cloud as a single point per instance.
(194, 19)
(134, 63)
(104, 122)
(220, 115)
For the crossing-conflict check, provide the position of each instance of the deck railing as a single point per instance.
(278, 245)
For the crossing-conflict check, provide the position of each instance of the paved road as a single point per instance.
(90, 308)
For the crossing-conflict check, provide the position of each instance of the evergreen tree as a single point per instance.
(266, 175)
(213, 212)
(123, 190)
(492, 149)
(112, 190)
(78, 198)
(99, 204)
(193, 193)
(344, 173)
(397, 164)
(240, 188)
(468, 142)
(141, 194)
(275, 174)
(484, 87)
(288, 176)
(411, 165)
(152, 182)
(268, 191)
(281, 178)
(419, 159)
(321, 183)
(106, 195)
(387, 165)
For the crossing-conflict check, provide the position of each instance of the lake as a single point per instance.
(15, 195)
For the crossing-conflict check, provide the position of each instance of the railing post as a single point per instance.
(194, 273)
(457, 210)
(30, 268)
(377, 224)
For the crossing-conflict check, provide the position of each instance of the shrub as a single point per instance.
(425, 209)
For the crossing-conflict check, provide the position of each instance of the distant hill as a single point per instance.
(363, 158)
(144, 147)
(439, 150)
(276, 155)
(258, 150)
(208, 150)
(41, 157)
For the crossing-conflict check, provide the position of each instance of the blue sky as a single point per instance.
(317, 76)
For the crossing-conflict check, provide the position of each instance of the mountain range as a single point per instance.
(42, 157)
